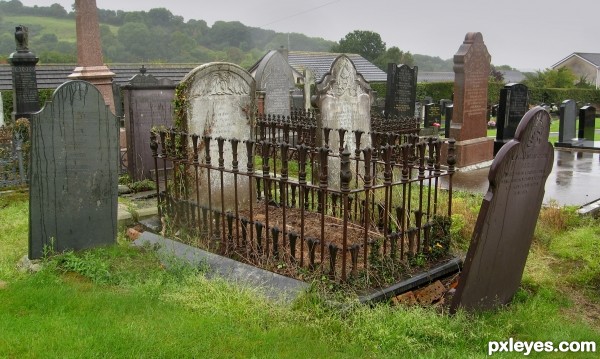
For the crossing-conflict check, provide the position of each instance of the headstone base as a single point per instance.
(471, 153)
(99, 76)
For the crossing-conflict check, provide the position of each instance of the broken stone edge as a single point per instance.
(452, 266)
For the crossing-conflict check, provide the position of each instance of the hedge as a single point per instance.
(7, 101)
(436, 90)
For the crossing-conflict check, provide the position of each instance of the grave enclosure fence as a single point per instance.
(384, 203)
(13, 157)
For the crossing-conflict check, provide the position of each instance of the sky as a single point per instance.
(525, 34)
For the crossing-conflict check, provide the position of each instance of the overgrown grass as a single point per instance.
(121, 301)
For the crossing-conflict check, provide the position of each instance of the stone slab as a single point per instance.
(273, 285)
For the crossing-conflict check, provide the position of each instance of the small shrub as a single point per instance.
(144, 185)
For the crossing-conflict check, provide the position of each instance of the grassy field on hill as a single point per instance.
(121, 301)
(64, 29)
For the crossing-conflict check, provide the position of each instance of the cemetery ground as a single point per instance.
(554, 127)
(121, 301)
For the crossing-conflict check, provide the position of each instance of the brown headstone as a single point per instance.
(469, 124)
(507, 218)
(91, 66)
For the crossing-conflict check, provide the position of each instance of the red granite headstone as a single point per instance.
(90, 65)
(469, 125)
(507, 218)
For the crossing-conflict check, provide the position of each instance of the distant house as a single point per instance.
(583, 64)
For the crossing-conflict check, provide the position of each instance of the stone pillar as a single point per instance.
(469, 125)
(23, 61)
(91, 66)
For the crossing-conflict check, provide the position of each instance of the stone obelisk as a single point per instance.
(90, 64)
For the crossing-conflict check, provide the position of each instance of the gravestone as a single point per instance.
(567, 124)
(274, 83)
(25, 91)
(309, 81)
(148, 102)
(448, 119)
(587, 118)
(504, 229)
(297, 98)
(433, 114)
(469, 127)
(514, 103)
(401, 90)
(344, 99)
(220, 102)
(74, 171)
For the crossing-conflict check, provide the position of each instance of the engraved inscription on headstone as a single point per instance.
(148, 103)
(74, 171)
(433, 114)
(514, 103)
(344, 98)
(401, 90)
(567, 123)
(220, 103)
(469, 125)
(275, 79)
(507, 218)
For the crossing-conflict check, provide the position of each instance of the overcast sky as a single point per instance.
(526, 34)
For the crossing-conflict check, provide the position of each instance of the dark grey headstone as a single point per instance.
(567, 124)
(514, 103)
(274, 78)
(433, 113)
(587, 118)
(148, 103)
(401, 90)
(25, 91)
(73, 171)
(507, 218)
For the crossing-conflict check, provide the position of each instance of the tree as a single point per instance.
(368, 44)
(551, 78)
(394, 55)
(496, 74)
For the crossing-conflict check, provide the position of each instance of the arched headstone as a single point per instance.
(73, 172)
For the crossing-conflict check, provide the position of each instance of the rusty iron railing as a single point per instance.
(286, 210)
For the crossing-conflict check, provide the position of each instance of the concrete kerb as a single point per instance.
(274, 286)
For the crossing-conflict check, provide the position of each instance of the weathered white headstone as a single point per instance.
(220, 103)
(344, 98)
(275, 80)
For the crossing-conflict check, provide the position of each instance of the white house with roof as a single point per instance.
(583, 64)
